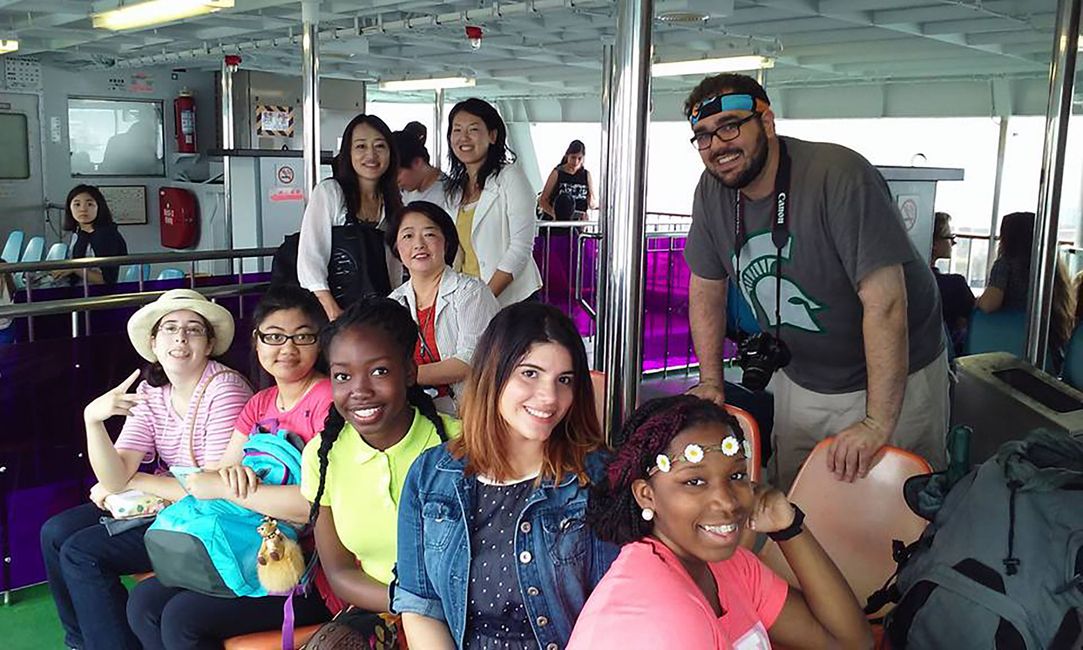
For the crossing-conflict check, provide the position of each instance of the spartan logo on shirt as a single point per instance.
(758, 284)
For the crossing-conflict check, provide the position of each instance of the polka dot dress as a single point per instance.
(496, 618)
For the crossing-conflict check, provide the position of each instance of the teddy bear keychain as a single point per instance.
(280, 560)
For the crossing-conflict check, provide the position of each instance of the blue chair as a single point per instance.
(171, 274)
(130, 272)
(57, 252)
(34, 250)
(1072, 372)
(12, 247)
(1000, 331)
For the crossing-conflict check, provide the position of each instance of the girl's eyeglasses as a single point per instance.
(278, 338)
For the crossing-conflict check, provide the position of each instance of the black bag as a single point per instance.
(356, 268)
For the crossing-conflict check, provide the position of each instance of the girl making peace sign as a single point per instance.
(183, 415)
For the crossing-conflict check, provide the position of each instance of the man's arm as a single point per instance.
(883, 326)
(707, 319)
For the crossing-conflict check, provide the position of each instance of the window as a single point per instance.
(116, 137)
(15, 143)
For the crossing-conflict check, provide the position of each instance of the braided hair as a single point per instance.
(395, 320)
(612, 511)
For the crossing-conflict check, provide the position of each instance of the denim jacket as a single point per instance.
(559, 559)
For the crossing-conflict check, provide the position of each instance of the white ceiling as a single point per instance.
(552, 48)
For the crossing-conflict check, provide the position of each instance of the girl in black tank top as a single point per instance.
(568, 189)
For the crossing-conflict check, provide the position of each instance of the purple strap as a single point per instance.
(287, 620)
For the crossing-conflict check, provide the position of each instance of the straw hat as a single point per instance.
(142, 321)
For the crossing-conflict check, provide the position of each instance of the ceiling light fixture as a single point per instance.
(155, 12)
(428, 84)
(8, 45)
(711, 66)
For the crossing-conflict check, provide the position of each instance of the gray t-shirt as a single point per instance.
(843, 225)
(1013, 278)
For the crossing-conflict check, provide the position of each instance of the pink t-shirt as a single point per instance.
(305, 418)
(648, 601)
(197, 437)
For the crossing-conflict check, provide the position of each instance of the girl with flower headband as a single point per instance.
(677, 497)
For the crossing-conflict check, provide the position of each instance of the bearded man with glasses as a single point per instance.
(852, 339)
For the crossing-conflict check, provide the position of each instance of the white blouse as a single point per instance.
(327, 208)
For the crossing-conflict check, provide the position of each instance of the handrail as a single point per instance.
(138, 258)
(567, 224)
(117, 301)
(580, 239)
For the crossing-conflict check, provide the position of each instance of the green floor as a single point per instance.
(30, 622)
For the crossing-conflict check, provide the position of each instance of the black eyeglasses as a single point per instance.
(725, 132)
(278, 338)
(950, 238)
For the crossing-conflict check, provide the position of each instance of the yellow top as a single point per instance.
(468, 263)
(362, 488)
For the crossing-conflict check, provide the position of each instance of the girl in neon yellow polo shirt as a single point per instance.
(354, 470)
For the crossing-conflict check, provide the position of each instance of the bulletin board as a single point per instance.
(128, 203)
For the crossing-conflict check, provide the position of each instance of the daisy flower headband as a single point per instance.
(694, 453)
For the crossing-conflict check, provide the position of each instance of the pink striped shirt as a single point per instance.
(157, 430)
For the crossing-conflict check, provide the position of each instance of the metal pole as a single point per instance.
(310, 92)
(438, 127)
(229, 142)
(625, 219)
(1043, 267)
(990, 255)
(603, 205)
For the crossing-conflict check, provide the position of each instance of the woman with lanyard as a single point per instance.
(87, 215)
(363, 187)
(450, 308)
(493, 203)
(570, 179)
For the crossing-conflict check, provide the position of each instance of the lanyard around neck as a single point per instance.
(780, 231)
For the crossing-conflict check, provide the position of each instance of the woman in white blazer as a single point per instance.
(363, 186)
(492, 203)
(450, 308)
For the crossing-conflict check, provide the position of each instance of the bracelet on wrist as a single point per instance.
(791, 531)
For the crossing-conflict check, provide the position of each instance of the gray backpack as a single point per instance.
(1001, 566)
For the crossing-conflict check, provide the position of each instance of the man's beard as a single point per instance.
(756, 165)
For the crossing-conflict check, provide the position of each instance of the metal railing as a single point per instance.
(87, 304)
(970, 258)
(567, 256)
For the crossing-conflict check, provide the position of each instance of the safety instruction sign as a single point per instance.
(274, 120)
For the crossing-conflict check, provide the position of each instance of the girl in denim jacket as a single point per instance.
(493, 550)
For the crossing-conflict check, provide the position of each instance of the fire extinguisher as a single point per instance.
(184, 111)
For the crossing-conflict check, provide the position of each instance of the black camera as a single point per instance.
(760, 355)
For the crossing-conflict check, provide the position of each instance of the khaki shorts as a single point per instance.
(803, 418)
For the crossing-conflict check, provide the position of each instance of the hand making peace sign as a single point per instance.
(116, 401)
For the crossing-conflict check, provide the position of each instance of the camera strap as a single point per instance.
(780, 231)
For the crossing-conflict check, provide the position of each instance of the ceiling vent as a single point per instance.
(694, 12)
